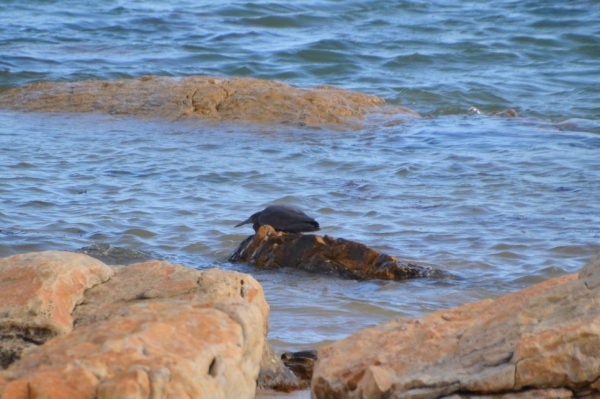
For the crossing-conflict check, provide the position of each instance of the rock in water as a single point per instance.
(302, 363)
(541, 342)
(208, 98)
(327, 255)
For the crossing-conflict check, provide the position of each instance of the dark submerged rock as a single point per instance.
(114, 255)
(274, 374)
(301, 363)
(272, 249)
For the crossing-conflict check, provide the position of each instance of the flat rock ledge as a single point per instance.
(71, 326)
(209, 98)
(541, 342)
(325, 255)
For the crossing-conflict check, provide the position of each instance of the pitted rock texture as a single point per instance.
(207, 98)
(543, 341)
(155, 281)
(269, 248)
(159, 350)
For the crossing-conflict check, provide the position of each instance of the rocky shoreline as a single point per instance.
(72, 325)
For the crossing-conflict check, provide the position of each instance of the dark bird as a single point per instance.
(282, 218)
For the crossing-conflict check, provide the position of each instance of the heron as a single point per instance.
(282, 218)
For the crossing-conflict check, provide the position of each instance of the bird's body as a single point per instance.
(283, 218)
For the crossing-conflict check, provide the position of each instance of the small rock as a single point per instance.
(302, 363)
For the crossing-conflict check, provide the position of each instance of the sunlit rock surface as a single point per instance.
(269, 248)
(541, 342)
(202, 98)
(162, 350)
(38, 292)
(74, 321)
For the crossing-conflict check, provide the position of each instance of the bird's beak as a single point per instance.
(246, 222)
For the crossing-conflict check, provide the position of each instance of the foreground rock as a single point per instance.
(542, 342)
(273, 249)
(133, 326)
(159, 350)
(38, 292)
(201, 98)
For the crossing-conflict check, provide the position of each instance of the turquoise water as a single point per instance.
(500, 203)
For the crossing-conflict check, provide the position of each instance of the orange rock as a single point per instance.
(38, 293)
(159, 350)
(201, 98)
(51, 293)
(274, 249)
(155, 281)
(543, 341)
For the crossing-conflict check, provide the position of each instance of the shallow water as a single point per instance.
(499, 203)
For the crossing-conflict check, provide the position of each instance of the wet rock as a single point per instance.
(302, 363)
(324, 254)
(38, 292)
(158, 350)
(543, 341)
(202, 98)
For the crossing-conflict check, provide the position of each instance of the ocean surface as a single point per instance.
(499, 203)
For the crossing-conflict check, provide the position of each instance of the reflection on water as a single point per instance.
(502, 204)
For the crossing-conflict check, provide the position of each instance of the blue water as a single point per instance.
(540, 58)
(500, 203)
